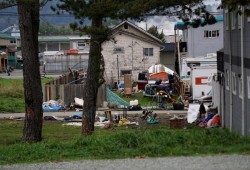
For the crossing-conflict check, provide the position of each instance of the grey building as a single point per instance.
(234, 73)
(202, 40)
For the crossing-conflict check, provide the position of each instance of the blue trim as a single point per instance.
(182, 23)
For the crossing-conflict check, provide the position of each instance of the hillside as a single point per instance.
(9, 16)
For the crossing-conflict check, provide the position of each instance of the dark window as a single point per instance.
(13, 41)
(118, 50)
(148, 51)
(125, 26)
(211, 34)
(123, 72)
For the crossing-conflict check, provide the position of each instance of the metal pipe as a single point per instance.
(230, 73)
(242, 72)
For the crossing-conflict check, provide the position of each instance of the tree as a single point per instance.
(98, 11)
(154, 31)
(46, 28)
(28, 11)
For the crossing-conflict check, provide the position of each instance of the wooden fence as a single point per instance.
(66, 89)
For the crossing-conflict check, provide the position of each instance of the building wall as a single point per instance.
(5, 42)
(236, 69)
(131, 58)
(198, 45)
(168, 59)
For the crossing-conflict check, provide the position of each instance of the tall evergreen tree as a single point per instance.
(154, 31)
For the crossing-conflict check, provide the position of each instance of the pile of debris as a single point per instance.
(53, 105)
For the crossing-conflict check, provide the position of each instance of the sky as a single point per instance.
(167, 23)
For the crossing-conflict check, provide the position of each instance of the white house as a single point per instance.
(62, 52)
(202, 40)
(132, 50)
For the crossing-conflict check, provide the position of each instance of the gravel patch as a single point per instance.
(217, 162)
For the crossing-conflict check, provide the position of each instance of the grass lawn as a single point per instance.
(12, 96)
(61, 143)
(145, 101)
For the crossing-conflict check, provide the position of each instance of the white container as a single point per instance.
(136, 102)
(133, 102)
(105, 104)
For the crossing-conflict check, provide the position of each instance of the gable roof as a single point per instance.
(139, 29)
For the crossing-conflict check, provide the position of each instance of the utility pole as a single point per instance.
(132, 56)
(118, 77)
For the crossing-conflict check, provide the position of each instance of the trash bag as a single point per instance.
(135, 108)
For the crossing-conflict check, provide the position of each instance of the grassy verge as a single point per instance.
(142, 100)
(145, 101)
(11, 95)
(65, 143)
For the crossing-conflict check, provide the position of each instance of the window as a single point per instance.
(240, 87)
(123, 72)
(239, 20)
(234, 83)
(82, 44)
(125, 25)
(118, 50)
(13, 41)
(233, 18)
(227, 79)
(248, 86)
(148, 52)
(239, 15)
(226, 19)
(211, 34)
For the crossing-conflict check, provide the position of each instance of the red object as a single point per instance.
(141, 84)
(160, 75)
(201, 80)
(73, 51)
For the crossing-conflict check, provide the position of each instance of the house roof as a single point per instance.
(181, 25)
(62, 38)
(139, 29)
(6, 36)
(168, 47)
(53, 39)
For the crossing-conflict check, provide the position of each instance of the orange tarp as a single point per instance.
(160, 75)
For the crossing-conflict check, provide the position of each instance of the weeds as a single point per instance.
(12, 95)
(65, 143)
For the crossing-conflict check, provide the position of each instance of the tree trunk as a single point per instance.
(28, 12)
(92, 82)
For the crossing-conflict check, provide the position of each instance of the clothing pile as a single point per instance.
(211, 119)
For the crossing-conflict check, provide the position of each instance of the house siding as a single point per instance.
(198, 45)
(236, 69)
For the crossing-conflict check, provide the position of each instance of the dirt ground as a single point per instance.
(164, 120)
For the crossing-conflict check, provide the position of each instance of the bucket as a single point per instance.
(105, 104)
